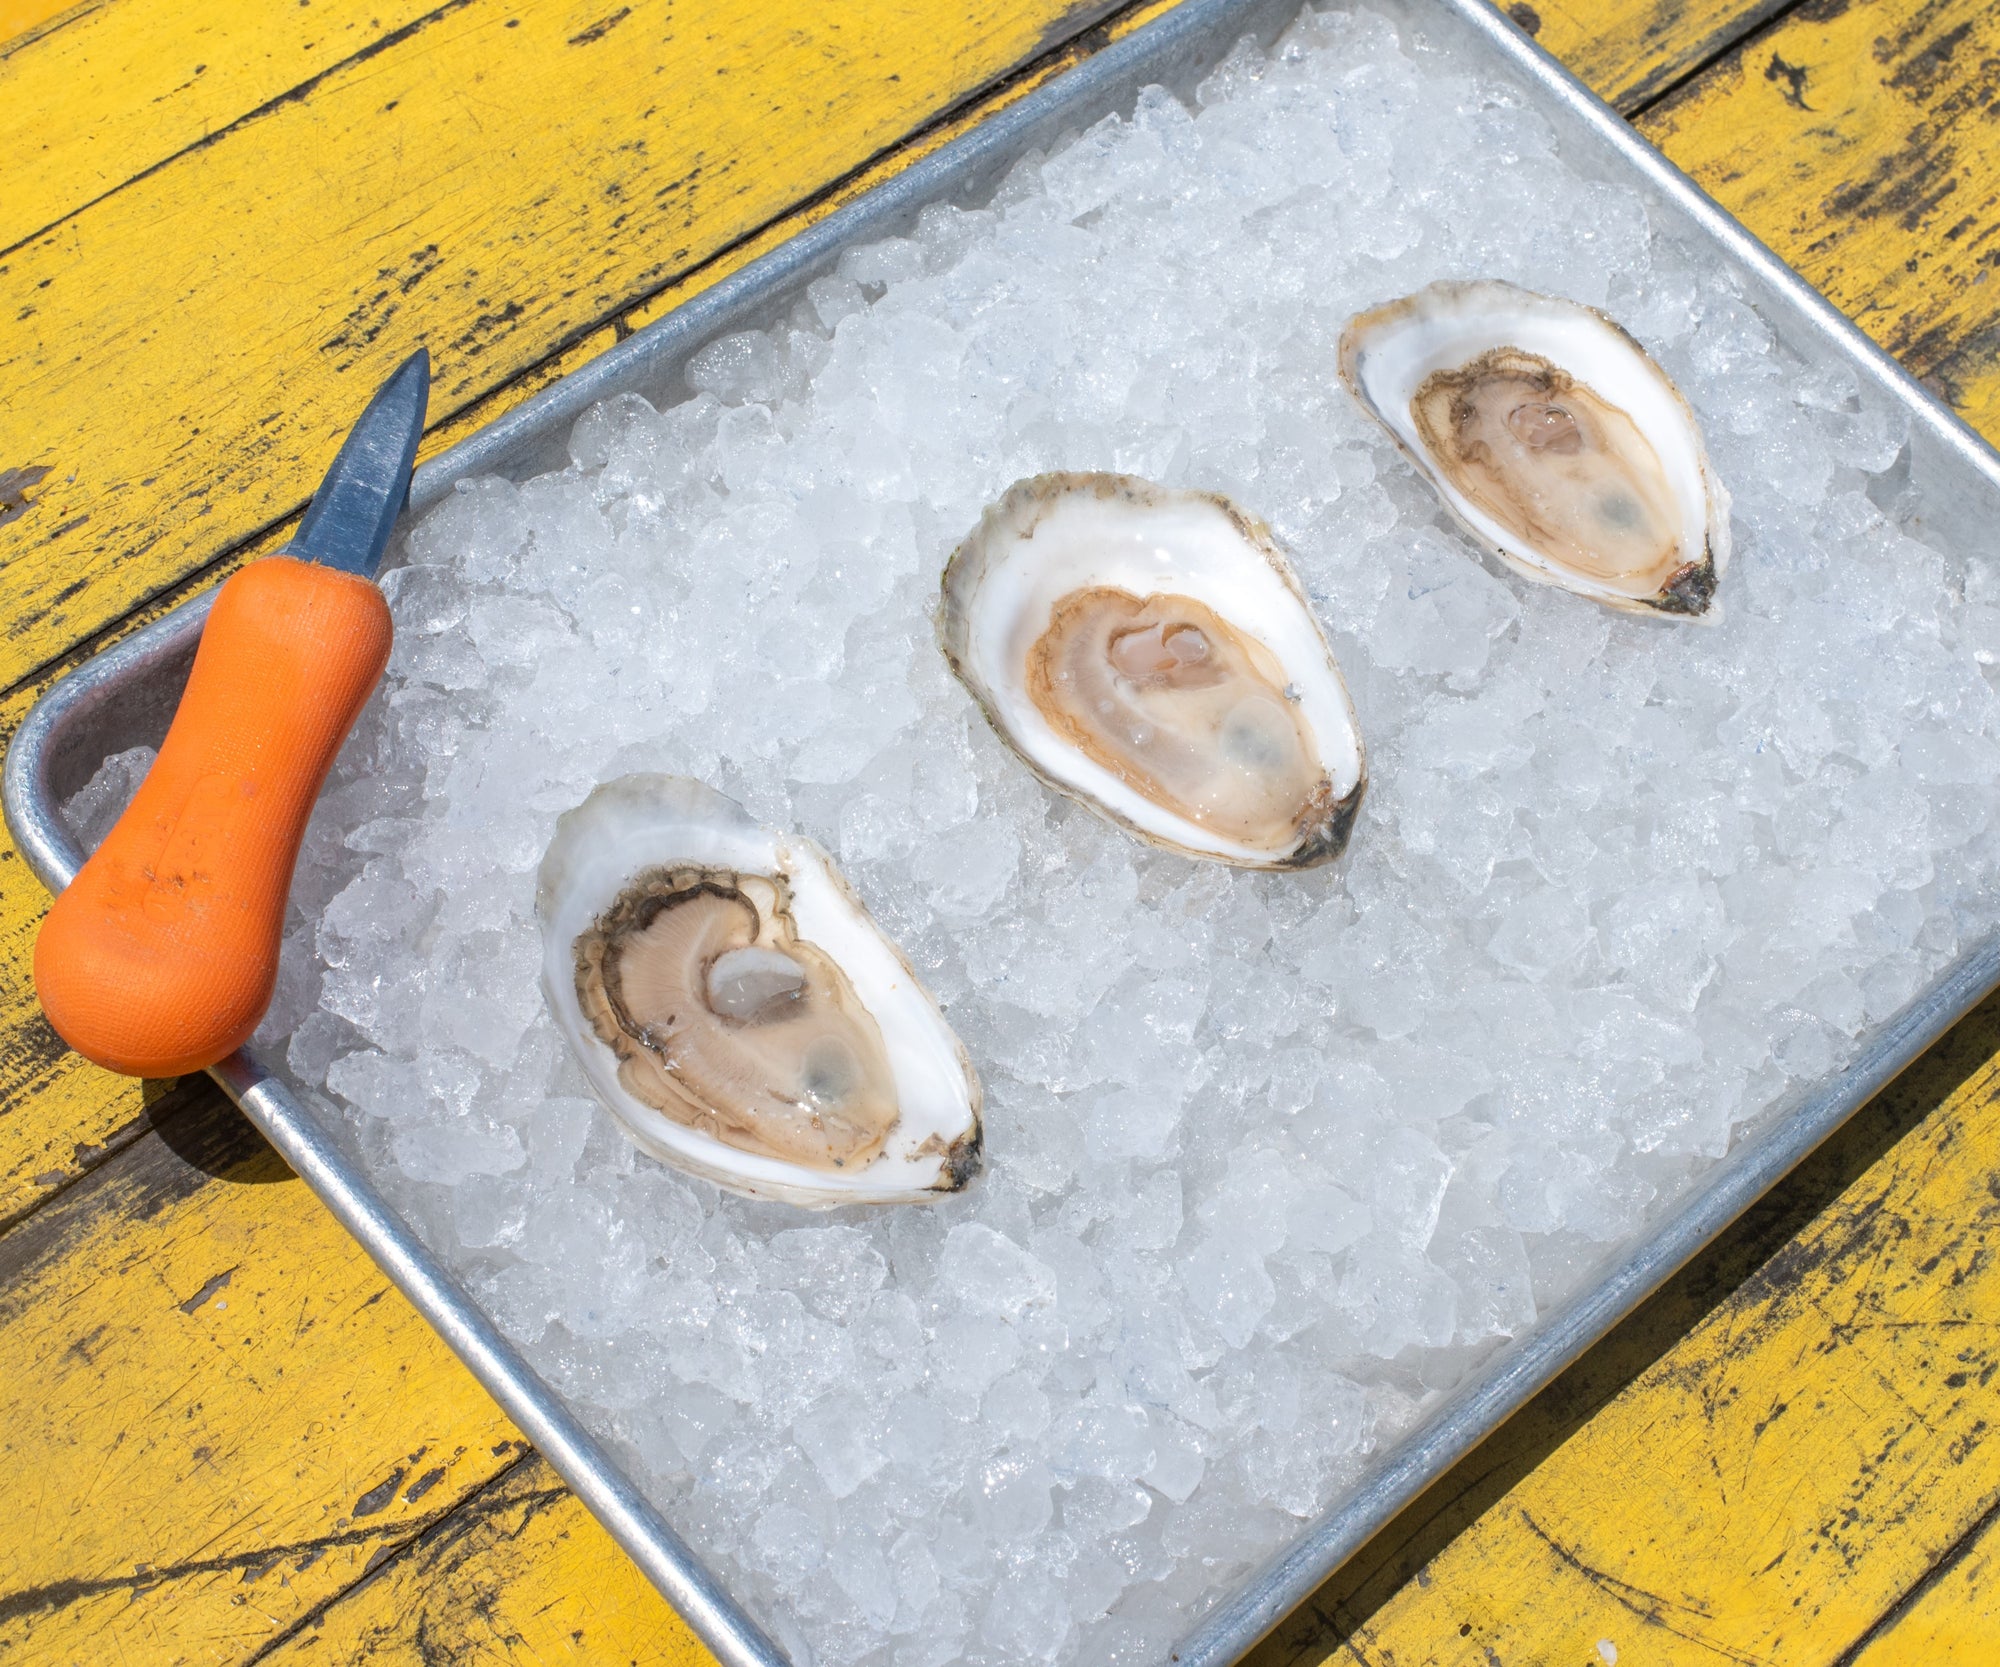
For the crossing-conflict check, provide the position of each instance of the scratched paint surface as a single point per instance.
(455, 1596)
(496, 179)
(1953, 1616)
(1628, 53)
(140, 81)
(1859, 141)
(519, 1572)
(58, 1113)
(214, 1412)
(21, 18)
(1776, 1485)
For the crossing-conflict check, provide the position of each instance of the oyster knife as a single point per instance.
(161, 956)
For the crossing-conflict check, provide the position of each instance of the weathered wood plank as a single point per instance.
(496, 182)
(22, 18)
(58, 1113)
(521, 1572)
(1773, 1485)
(1954, 1616)
(531, 1591)
(1630, 51)
(139, 82)
(215, 1412)
(1859, 141)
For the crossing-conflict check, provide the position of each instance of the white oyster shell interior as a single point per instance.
(1553, 437)
(1150, 652)
(734, 1005)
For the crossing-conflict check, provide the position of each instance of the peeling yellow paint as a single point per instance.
(524, 1575)
(214, 1411)
(1954, 1618)
(1858, 141)
(493, 181)
(206, 1379)
(1785, 1476)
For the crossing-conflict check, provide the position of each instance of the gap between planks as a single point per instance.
(584, 345)
(1733, 47)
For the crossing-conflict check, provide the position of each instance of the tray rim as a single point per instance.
(1194, 30)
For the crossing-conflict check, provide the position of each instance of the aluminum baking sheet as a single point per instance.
(125, 696)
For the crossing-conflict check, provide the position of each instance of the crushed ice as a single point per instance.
(1274, 1160)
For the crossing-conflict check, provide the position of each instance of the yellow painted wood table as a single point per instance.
(223, 1438)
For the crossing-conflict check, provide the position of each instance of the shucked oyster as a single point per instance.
(734, 1005)
(1150, 653)
(1553, 436)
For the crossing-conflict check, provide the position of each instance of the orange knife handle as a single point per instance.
(162, 954)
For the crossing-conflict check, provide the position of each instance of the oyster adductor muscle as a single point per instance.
(739, 1012)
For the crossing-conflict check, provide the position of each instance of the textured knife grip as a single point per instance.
(161, 955)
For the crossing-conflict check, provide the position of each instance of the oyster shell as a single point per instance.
(1553, 437)
(1149, 652)
(733, 1004)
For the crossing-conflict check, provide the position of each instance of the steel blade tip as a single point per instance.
(355, 508)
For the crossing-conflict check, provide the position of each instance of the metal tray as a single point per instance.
(125, 696)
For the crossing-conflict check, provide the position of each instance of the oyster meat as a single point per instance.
(734, 1005)
(1150, 653)
(1553, 437)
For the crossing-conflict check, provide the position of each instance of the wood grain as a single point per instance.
(141, 81)
(196, 351)
(1629, 52)
(1859, 141)
(520, 1572)
(492, 180)
(22, 20)
(215, 1412)
(1780, 1481)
